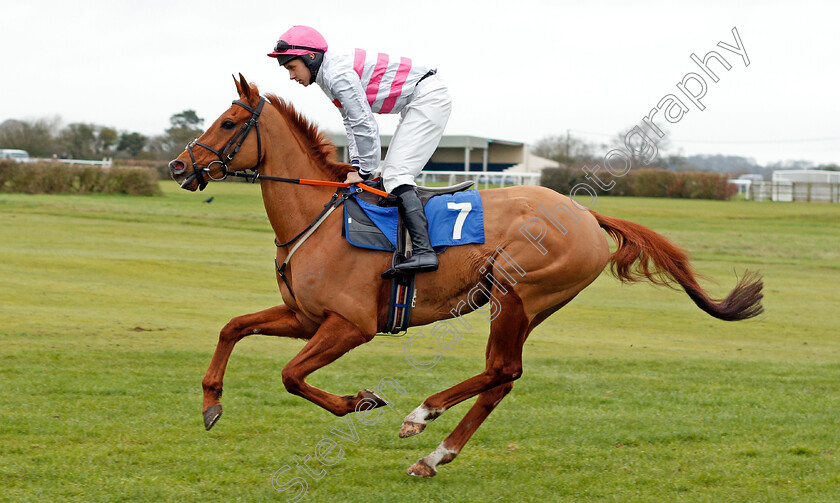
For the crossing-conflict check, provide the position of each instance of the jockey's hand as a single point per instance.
(354, 177)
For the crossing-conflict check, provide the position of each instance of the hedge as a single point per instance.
(58, 178)
(642, 183)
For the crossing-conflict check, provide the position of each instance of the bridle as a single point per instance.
(229, 151)
(344, 190)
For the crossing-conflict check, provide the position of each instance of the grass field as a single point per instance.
(110, 308)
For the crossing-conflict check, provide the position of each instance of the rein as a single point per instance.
(227, 154)
(225, 157)
(256, 176)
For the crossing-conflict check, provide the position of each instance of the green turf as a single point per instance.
(110, 308)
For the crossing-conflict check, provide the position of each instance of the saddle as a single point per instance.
(424, 193)
(375, 223)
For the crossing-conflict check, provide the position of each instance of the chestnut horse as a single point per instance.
(541, 249)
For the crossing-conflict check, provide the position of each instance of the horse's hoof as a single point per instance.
(211, 415)
(410, 428)
(421, 469)
(367, 394)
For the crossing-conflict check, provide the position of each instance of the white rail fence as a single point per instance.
(486, 177)
(787, 191)
(104, 163)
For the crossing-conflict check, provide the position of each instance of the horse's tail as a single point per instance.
(638, 246)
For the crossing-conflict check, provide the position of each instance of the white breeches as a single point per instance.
(418, 133)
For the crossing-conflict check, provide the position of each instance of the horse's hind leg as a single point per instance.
(508, 332)
(278, 321)
(486, 403)
(452, 445)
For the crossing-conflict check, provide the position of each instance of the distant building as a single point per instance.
(806, 185)
(470, 154)
(792, 185)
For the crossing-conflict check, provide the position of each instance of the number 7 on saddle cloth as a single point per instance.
(454, 219)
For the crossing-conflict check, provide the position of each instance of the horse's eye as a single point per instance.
(228, 125)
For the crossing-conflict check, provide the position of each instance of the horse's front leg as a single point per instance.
(279, 321)
(335, 337)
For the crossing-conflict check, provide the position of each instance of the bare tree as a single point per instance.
(78, 140)
(106, 140)
(186, 126)
(565, 149)
(644, 148)
(35, 136)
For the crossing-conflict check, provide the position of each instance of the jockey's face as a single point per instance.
(299, 72)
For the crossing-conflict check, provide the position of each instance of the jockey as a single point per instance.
(361, 84)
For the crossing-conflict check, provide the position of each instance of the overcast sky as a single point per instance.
(517, 70)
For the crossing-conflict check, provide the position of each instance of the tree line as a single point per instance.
(47, 138)
(575, 152)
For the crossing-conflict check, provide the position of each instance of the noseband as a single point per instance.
(229, 151)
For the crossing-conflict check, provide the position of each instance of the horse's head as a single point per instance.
(231, 143)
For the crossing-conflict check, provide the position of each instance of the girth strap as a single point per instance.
(337, 199)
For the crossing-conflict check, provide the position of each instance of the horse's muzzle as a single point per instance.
(177, 167)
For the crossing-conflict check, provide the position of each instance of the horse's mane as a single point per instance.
(321, 148)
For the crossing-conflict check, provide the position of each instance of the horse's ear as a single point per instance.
(243, 88)
(238, 87)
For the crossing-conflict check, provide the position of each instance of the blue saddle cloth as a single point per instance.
(454, 219)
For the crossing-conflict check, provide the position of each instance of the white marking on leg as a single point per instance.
(439, 454)
(420, 414)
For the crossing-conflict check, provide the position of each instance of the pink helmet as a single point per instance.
(298, 41)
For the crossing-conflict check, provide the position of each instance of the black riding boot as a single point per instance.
(423, 257)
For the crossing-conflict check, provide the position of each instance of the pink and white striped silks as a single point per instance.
(384, 79)
(363, 83)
